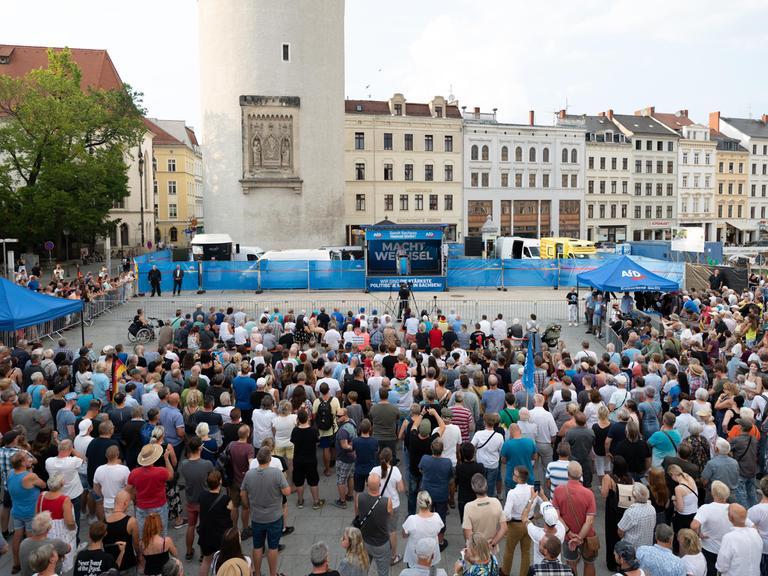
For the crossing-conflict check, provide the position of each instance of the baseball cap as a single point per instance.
(71, 396)
(85, 424)
(549, 513)
(10, 436)
(261, 383)
(446, 413)
(425, 427)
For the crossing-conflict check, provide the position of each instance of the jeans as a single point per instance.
(441, 508)
(76, 510)
(491, 475)
(380, 557)
(142, 513)
(746, 492)
(544, 450)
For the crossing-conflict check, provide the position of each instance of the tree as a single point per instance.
(62, 152)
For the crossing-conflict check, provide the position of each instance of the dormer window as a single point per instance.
(609, 136)
(398, 109)
(358, 108)
(5, 59)
(439, 111)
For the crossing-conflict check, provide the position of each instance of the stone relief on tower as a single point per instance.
(270, 126)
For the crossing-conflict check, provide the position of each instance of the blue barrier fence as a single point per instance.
(350, 274)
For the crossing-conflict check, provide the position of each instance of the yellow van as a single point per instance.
(566, 248)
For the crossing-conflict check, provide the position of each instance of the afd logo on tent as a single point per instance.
(632, 274)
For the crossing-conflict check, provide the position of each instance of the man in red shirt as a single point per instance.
(577, 507)
(435, 337)
(9, 401)
(147, 484)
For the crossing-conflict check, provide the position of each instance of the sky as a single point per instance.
(516, 56)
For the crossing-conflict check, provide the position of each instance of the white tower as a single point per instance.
(272, 97)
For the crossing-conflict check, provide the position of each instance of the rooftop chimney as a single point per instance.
(683, 113)
(561, 114)
(477, 110)
(649, 111)
(764, 118)
(601, 114)
(530, 117)
(610, 114)
(714, 121)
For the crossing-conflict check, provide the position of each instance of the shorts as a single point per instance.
(393, 521)
(234, 495)
(344, 471)
(270, 533)
(22, 523)
(327, 441)
(575, 555)
(305, 472)
(285, 451)
(193, 513)
(7, 499)
(360, 480)
(84, 482)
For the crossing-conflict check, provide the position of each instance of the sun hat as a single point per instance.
(149, 454)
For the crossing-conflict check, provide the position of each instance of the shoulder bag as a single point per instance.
(358, 522)
(591, 546)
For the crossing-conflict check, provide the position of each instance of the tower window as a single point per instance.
(286, 52)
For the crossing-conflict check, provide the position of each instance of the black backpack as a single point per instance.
(324, 418)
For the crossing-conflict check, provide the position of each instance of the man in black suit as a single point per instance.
(178, 277)
(154, 276)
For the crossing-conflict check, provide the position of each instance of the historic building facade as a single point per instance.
(529, 179)
(403, 163)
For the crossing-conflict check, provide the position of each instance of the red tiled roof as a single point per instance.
(96, 66)
(672, 120)
(161, 136)
(382, 107)
(191, 136)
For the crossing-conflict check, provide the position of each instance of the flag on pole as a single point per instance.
(528, 381)
(118, 370)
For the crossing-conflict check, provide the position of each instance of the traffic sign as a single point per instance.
(48, 245)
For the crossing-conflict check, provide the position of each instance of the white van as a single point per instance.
(221, 247)
(517, 248)
(289, 255)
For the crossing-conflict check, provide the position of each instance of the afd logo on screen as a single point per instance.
(632, 274)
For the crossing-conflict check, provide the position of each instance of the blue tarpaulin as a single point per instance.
(625, 275)
(21, 307)
(350, 274)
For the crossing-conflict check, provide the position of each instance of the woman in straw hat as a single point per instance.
(147, 483)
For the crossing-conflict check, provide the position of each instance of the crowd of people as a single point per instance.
(230, 416)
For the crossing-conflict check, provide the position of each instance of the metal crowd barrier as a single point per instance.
(469, 311)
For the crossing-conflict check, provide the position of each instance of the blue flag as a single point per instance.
(528, 381)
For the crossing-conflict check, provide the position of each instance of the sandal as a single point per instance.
(396, 560)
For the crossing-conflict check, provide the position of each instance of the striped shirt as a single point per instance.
(557, 472)
(462, 418)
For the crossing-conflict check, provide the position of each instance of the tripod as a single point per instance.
(390, 306)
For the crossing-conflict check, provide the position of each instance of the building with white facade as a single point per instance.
(607, 176)
(529, 179)
(753, 135)
(272, 93)
(696, 161)
(403, 163)
(654, 176)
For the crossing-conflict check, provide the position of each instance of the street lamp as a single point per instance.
(65, 231)
(141, 194)
(5, 253)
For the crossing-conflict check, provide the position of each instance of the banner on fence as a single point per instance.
(417, 283)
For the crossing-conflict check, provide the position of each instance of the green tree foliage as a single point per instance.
(63, 152)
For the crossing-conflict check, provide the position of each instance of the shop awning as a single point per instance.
(743, 225)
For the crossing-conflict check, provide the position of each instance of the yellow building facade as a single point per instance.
(403, 163)
(733, 222)
(178, 184)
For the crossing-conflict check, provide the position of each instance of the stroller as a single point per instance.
(551, 335)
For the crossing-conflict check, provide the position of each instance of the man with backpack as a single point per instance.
(324, 409)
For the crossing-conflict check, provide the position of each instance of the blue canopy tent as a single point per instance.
(625, 275)
(20, 307)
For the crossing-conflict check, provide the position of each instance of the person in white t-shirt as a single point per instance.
(451, 436)
(758, 515)
(552, 526)
(331, 338)
(712, 523)
(263, 418)
(485, 325)
(67, 463)
(333, 385)
(395, 486)
(488, 443)
(499, 328)
(110, 478)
